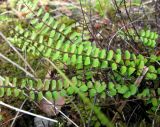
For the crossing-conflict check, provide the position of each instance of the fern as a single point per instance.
(80, 55)
(52, 89)
(146, 37)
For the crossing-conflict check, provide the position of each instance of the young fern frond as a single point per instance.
(82, 55)
(147, 37)
(52, 89)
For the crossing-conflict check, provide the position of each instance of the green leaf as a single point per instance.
(96, 52)
(112, 92)
(87, 61)
(102, 54)
(65, 57)
(110, 85)
(63, 26)
(140, 57)
(14, 82)
(92, 92)
(89, 50)
(55, 25)
(123, 89)
(32, 95)
(152, 69)
(154, 102)
(103, 95)
(53, 85)
(114, 66)
(41, 48)
(39, 85)
(80, 49)
(149, 42)
(118, 51)
(48, 52)
(39, 25)
(141, 64)
(142, 33)
(73, 36)
(156, 36)
(34, 21)
(56, 55)
(95, 63)
(148, 33)
(48, 95)
(23, 83)
(46, 16)
(89, 84)
(73, 59)
(76, 89)
(79, 66)
(153, 58)
(68, 30)
(63, 93)
(127, 55)
(73, 48)
(40, 96)
(83, 88)
(2, 91)
(145, 92)
(101, 88)
(30, 84)
(145, 41)
(153, 76)
(40, 11)
(52, 34)
(46, 84)
(110, 55)
(153, 44)
(59, 44)
(133, 56)
(6, 81)
(118, 58)
(66, 47)
(70, 90)
(79, 60)
(104, 64)
(89, 75)
(127, 94)
(152, 35)
(123, 70)
(8, 92)
(131, 71)
(132, 64)
(74, 80)
(60, 84)
(16, 92)
(127, 62)
(55, 95)
(133, 89)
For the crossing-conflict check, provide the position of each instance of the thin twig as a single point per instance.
(26, 112)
